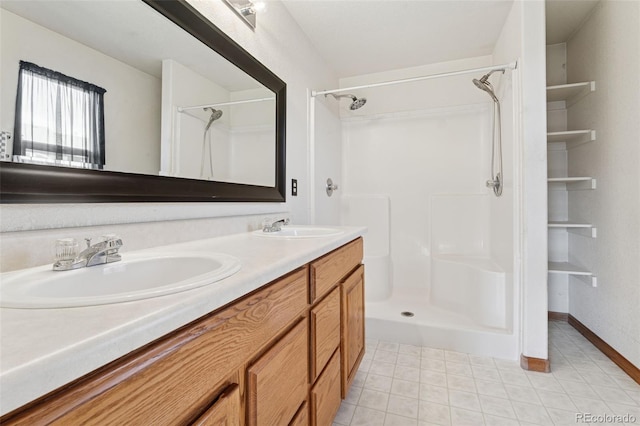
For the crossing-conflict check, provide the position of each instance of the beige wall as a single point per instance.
(606, 49)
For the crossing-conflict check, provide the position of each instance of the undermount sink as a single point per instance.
(137, 276)
(289, 231)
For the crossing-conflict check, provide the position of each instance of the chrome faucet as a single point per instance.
(274, 226)
(106, 251)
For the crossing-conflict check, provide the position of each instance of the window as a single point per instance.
(59, 119)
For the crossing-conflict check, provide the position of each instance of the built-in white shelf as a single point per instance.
(584, 229)
(573, 183)
(569, 92)
(566, 268)
(572, 136)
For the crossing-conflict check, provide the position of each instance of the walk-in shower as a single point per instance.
(440, 248)
(356, 102)
(496, 181)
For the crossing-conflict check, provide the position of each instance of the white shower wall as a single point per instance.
(426, 148)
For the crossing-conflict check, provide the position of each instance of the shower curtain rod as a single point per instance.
(183, 109)
(512, 65)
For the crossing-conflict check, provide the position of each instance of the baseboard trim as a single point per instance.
(534, 364)
(558, 316)
(615, 356)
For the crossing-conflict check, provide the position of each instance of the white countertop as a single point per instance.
(43, 349)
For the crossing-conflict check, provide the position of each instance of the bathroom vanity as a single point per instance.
(285, 351)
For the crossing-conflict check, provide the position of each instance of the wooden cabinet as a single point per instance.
(327, 271)
(278, 381)
(352, 344)
(225, 411)
(325, 394)
(325, 331)
(283, 354)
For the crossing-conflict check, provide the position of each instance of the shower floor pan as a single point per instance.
(435, 327)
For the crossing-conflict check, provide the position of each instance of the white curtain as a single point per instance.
(59, 119)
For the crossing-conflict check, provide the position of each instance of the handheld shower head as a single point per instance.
(215, 115)
(484, 84)
(356, 103)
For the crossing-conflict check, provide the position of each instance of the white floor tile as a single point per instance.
(403, 406)
(367, 417)
(404, 385)
(405, 388)
(373, 399)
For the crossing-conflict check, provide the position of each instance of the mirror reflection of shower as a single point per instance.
(496, 181)
(356, 103)
(215, 115)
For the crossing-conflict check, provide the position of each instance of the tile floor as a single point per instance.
(402, 385)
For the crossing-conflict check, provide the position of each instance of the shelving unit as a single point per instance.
(572, 183)
(572, 138)
(566, 268)
(571, 93)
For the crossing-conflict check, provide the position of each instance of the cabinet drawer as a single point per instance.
(325, 331)
(331, 268)
(279, 381)
(225, 411)
(176, 379)
(325, 395)
(302, 416)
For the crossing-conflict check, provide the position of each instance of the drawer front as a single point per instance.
(174, 380)
(302, 416)
(331, 268)
(279, 381)
(225, 411)
(325, 331)
(325, 395)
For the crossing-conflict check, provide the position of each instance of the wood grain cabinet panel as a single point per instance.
(325, 395)
(225, 411)
(352, 334)
(302, 416)
(331, 268)
(278, 382)
(325, 331)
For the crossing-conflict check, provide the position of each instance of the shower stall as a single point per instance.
(441, 240)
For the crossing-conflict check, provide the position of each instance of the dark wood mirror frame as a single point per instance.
(26, 183)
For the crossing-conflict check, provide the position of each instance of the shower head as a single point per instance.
(215, 115)
(356, 103)
(484, 84)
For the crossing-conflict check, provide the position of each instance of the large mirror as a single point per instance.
(134, 101)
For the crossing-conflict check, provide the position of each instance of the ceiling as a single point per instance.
(366, 36)
(361, 37)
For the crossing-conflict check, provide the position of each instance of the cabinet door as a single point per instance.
(352, 335)
(278, 382)
(302, 416)
(225, 411)
(325, 331)
(325, 395)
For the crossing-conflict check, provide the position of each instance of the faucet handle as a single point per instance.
(112, 240)
(88, 241)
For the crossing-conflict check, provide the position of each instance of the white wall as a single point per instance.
(605, 49)
(127, 118)
(523, 36)
(281, 46)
